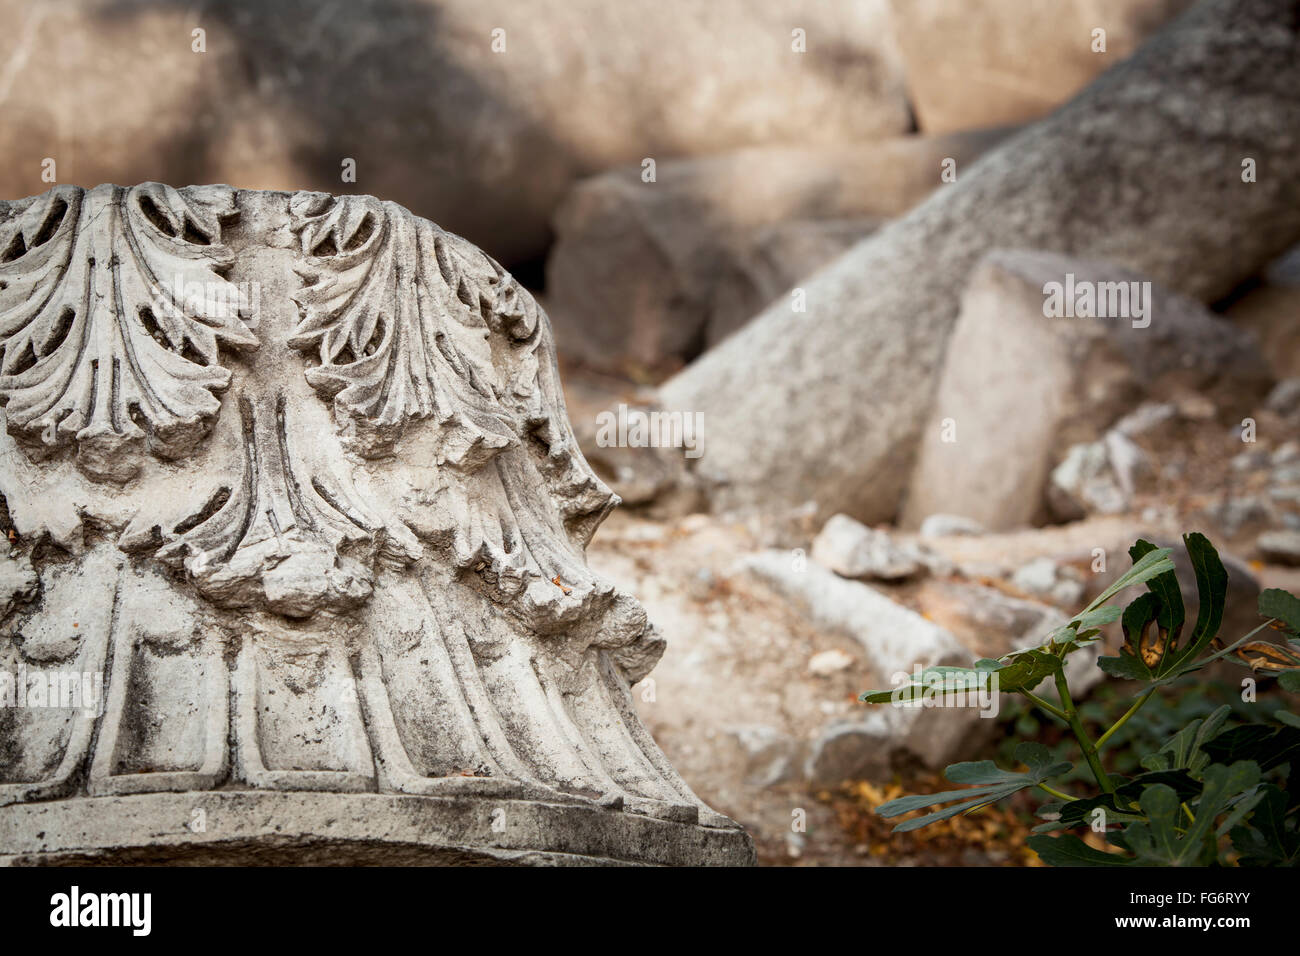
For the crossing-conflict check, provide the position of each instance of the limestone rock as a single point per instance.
(1044, 578)
(1141, 169)
(893, 637)
(1086, 482)
(652, 272)
(984, 62)
(309, 519)
(829, 662)
(770, 263)
(1076, 372)
(770, 755)
(896, 639)
(483, 131)
(940, 525)
(852, 550)
(1146, 417)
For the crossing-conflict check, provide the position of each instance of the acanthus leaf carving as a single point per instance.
(104, 345)
(392, 309)
(412, 323)
(281, 532)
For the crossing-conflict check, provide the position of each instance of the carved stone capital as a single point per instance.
(292, 498)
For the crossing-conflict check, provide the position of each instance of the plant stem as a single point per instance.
(1057, 793)
(1101, 741)
(1080, 734)
(1039, 702)
(1234, 645)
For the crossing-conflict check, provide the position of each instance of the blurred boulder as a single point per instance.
(771, 262)
(1086, 482)
(987, 62)
(655, 272)
(1019, 387)
(477, 113)
(1270, 308)
(770, 756)
(1044, 578)
(852, 550)
(1143, 168)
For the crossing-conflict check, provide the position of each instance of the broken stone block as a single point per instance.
(893, 637)
(1086, 483)
(654, 272)
(1044, 578)
(770, 756)
(1088, 342)
(895, 640)
(771, 262)
(1285, 397)
(860, 368)
(309, 519)
(852, 550)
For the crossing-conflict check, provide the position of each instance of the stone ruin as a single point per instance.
(295, 571)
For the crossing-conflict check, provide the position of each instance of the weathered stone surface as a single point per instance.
(1087, 481)
(296, 478)
(984, 62)
(852, 550)
(1074, 375)
(772, 262)
(483, 139)
(1143, 169)
(652, 272)
(895, 639)
(1044, 578)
